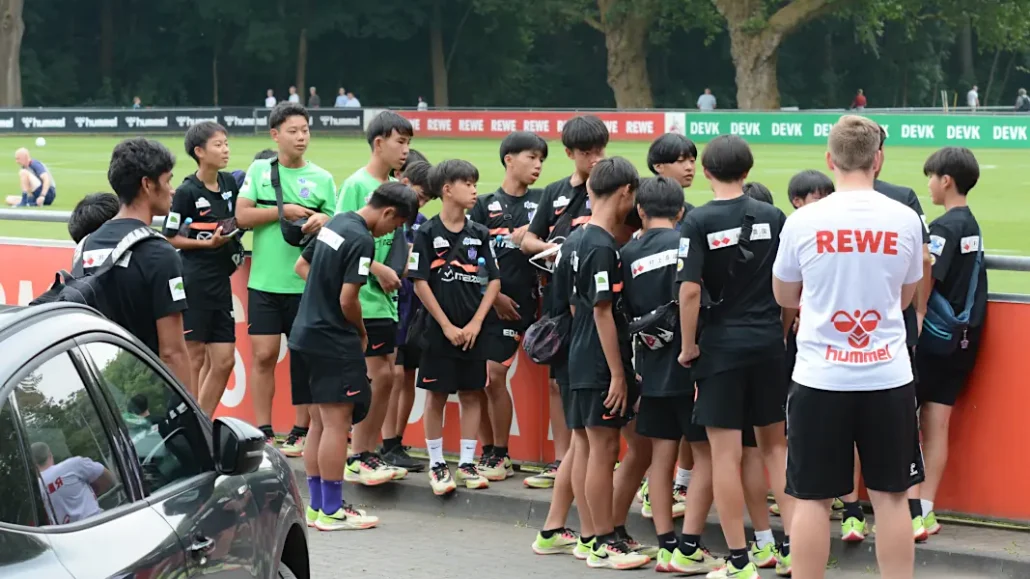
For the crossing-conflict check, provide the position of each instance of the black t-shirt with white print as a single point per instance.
(206, 271)
(561, 292)
(454, 283)
(502, 214)
(341, 254)
(597, 278)
(649, 267)
(955, 239)
(747, 324)
(145, 286)
(552, 205)
(907, 197)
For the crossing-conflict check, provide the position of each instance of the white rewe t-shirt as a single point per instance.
(852, 251)
(68, 485)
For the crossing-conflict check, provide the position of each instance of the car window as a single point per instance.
(69, 448)
(15, 477)
(165, 431)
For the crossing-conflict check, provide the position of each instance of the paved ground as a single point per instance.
(416, 545)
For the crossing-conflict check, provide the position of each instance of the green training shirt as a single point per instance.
(354, 194)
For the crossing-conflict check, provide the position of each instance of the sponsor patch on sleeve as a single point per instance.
(364, 264)
(970, 244)
(330, 238)
(720, 239)
(601, 282)
(177, 289)
(173, 220)
(937, 244)
(413, 260)
(684, 247)
(760, 231)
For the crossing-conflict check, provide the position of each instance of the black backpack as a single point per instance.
(87, 288)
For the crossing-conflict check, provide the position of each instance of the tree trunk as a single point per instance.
(755, 43)
(990, 79)
(107, 38)
(625, 37)
(302, 53)
(830, 76)
(965, 49)
(12, 27)
(437, 58)
(1008, 70)
(214, 78)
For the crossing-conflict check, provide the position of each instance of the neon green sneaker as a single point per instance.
(562, 542)
(616, 556)
(642, 491)
(545, 479)
(650, 550)
(663, 561)
(679, 493)
(700, 561)
(764, 557)
(853, 530)
(919, 530)
(367, 469)
(345, 519)
(838, 505)
(783, 567)
(311, 515)
(728, 571)
(293, 446)
(774, 509)
(583, 550)
(930, 522)
(678, 509)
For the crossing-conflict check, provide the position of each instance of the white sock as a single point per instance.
(764, 538)
(468, 451)
(435, 448)
(682, 477)
(927, 506)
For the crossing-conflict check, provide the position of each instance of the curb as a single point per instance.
(994, 552)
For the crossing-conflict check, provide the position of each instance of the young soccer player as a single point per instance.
(329, 335)
(808, 186)
(758, 192)
(456, 279)
(211, 251)
(389, 136)
(416, 176)
(506, 214)
(738, 359)
(585, 139)
(603, 383)
(274, 288)
(90, 213)
(955, 242)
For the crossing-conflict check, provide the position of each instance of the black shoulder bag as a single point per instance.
(419, 326)
(292, 230)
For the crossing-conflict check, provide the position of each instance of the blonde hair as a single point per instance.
(853, 144)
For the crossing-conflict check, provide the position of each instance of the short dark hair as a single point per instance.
(387, 123)
(450, 171)
(807, 182)
(670, 148)
(727, 158)
(90, 213)
(660, 197)
(131, 161)
(40, 453)
(584, 133)
(265, 154)
(417, 173)
(199, 134)
(611, 174)
(521, 141)
(959, 163)
(414, 156)
(138, 404)
(758, 192)
(283, 111)
(396, 195)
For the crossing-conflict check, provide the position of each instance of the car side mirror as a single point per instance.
(239, 447)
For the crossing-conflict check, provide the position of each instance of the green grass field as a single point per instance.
(79, 165)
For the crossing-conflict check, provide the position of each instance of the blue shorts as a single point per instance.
(29, 199)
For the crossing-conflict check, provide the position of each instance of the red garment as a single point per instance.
(859, 101)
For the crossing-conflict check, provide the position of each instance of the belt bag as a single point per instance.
(944, 331)
(292, 230)
(657, 329)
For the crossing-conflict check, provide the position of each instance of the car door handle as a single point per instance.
(201, 545)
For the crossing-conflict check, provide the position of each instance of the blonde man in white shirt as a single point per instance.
(855, 260)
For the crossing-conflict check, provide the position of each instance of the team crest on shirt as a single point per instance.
(495, 206)
(305, 192)
(684, 248)
(560, 202)
(472, 253)
(937, 244)
(440, 243)
(203, 203)
(859, 329)
(970, 244)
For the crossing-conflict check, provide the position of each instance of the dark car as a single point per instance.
(109, 469)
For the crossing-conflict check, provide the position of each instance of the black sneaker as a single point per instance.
(398, 456)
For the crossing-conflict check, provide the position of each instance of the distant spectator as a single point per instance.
(973, 98)
(422, 105)
(706, 102)
(860, 101)
(341, 99)
(1022, 101)
(37, 184)
(270, 99)
(314, 101)
(136, 102)
(352, 101)
(90, 213)
(294, 97)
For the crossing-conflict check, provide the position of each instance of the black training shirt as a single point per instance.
(954, 243)
(596, 278)
(501, 214)
(747, 325)
(454, 282)
(145, 286)
(206, 271)
(561, 290)
(552, 205)
(649, 267)
(341, 254)
(906, 196)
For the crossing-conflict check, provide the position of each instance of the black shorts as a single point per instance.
(382, 337)
(752, 395)
(408, 356)
(942, 379)
(438, 373)
(271, 314)
(501, 342)
(668, 418)
(209, 326)
(824, 427)
(587, 410)
(333, 381)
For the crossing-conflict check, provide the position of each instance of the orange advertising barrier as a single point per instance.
(989, 447)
